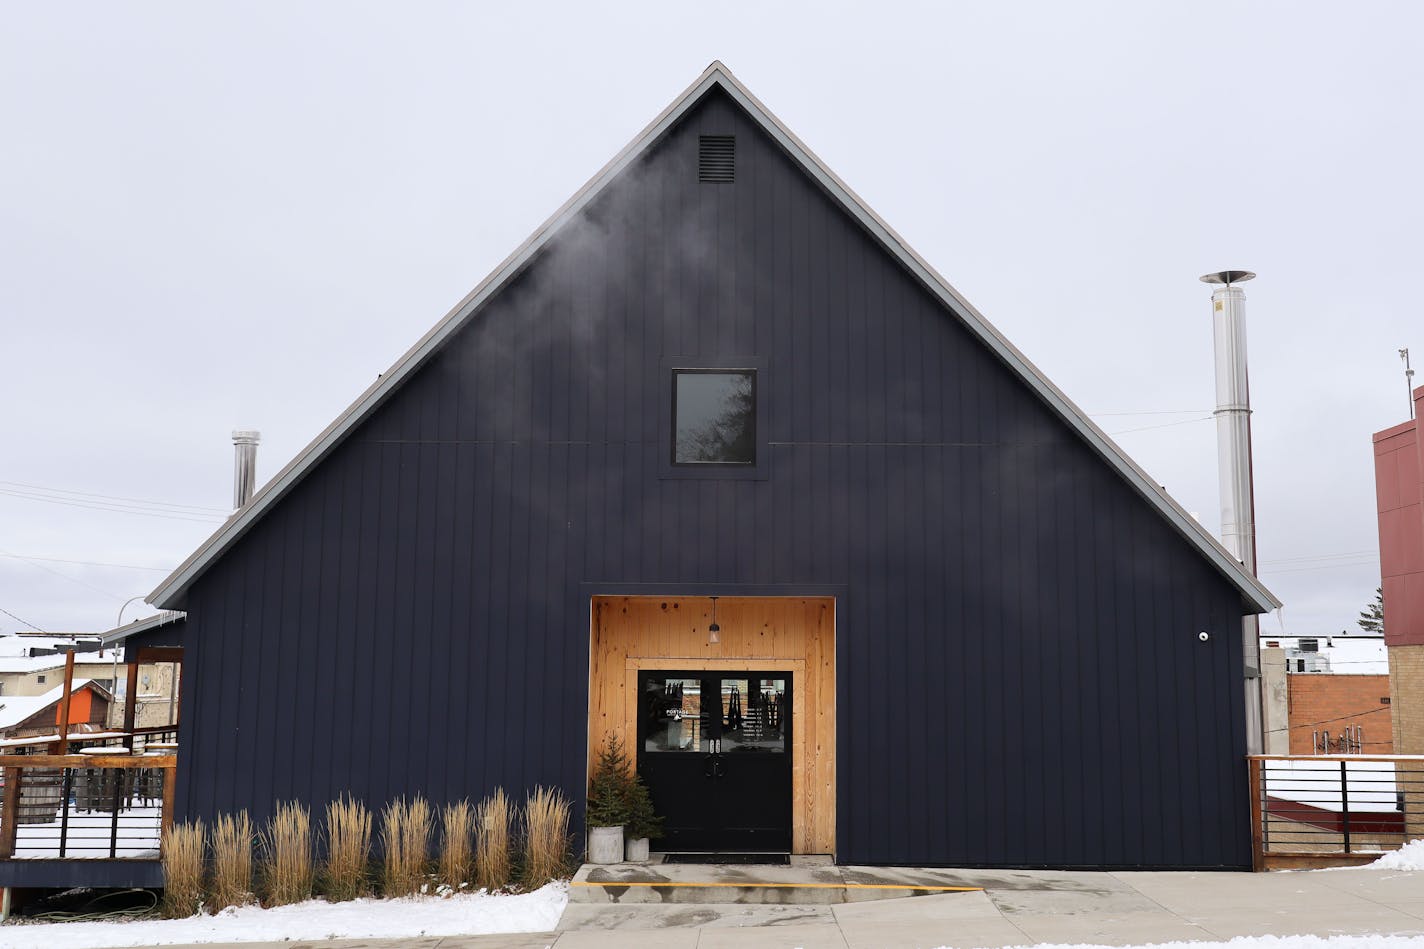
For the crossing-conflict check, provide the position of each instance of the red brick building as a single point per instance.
(1338, 704)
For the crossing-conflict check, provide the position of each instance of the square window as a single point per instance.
(714, 417)
(39, 680)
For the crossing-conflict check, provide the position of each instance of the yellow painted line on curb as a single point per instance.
(809, 886)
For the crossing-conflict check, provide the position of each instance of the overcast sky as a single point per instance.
(216, 217)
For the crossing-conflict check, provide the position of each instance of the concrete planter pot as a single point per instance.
(605, 844)
(637, 850)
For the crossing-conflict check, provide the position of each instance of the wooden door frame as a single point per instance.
(797, 667)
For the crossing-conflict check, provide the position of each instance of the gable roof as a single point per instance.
(15, 709)
(170, 594)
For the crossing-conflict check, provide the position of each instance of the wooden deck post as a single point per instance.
(63, 748)
(165, 821)
(1258, 840)
(10, 813)
(131, 701)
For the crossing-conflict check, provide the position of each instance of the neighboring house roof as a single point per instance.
(15, 709)
(171, 592)
(28, 664)
(119, 634)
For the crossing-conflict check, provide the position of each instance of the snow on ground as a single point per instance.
(1263, 942)
(466, 914)
(1371, 784)
(88, 835)
(1408, 857)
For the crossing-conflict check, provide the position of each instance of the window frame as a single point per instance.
(672, 436)
(759, 469)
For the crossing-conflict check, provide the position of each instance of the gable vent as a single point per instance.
(717, 158)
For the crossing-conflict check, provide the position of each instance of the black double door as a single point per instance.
(715, 750)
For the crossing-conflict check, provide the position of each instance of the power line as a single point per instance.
(1346, 553)
(65, 576)
(88, 563)
(1369, 711)
(114, 497)
(17, 619)
(1204, 418)
(208, 519)
(1164, 412)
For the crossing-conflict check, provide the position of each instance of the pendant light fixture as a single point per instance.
(712, 631)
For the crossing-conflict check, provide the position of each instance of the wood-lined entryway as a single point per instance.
(635, 633)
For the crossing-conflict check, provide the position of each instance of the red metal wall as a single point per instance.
(1399, 489)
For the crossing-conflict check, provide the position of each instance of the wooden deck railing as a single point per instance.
(1333, 810)
(93, 806)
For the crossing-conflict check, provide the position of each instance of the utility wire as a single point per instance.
(206, 519)
(1204, 418)
(1368, 711)
(112, 497)
(1175, 412)
(88, 563)
(65, 576)
(1346, 553)
(17, 619)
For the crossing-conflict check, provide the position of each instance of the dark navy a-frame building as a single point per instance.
(955, 624)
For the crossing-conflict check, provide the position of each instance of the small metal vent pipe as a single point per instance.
(244, 472)
(1233, 459)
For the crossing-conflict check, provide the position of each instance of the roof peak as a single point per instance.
(170, 594)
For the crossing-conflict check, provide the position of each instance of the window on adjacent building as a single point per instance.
(1310, 645)
(40, 680)
(714, 417)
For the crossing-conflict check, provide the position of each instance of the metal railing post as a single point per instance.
(1345, 803)
(66, 787)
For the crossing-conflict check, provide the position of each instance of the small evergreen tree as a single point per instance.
(608, 788)
(1372, 616)
(642, 821)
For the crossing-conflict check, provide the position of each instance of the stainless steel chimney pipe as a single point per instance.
(1234, 473)
(244, 473)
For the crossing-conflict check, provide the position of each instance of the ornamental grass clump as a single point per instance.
(405, 836)
(546, 837)
(290, 863)
(232, 860)
(457, 856)
(494, 824)
(348, 849)
(183, 870)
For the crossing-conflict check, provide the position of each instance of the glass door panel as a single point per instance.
(715, 749)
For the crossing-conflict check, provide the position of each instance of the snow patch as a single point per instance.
(463, 914)
(1408, 857)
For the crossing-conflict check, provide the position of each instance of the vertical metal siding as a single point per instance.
(1020, 681)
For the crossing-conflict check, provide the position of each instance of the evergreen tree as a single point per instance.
(1372, 616)
(608, 787)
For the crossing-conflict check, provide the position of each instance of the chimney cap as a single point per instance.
(1228, 277)
(246, 437)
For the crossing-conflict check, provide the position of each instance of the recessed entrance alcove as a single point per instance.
(736, 737)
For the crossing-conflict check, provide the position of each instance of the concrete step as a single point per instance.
(802, 884)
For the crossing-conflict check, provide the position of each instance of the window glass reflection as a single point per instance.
(715, 417)
(713, 714)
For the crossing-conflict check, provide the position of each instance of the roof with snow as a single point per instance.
(171, 593)
(15, 709)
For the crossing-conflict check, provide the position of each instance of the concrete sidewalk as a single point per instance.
(1015, 908)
